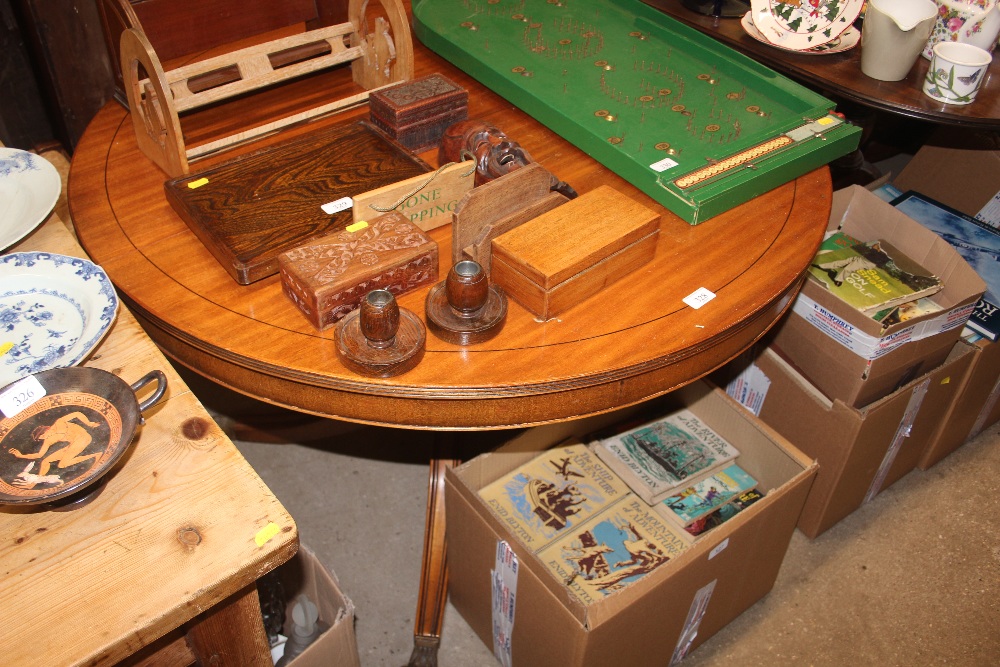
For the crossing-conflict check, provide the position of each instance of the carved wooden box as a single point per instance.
(329, 277)
(560, 258)
(416, 113)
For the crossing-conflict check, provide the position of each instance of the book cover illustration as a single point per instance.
(693, 502)
(553, 493)
(612, 549)
(664, 454)
(872, 276)
(977, 242)
(724, 513)
(906, 311)
(837, 240)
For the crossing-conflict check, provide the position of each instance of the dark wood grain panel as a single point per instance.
(253, 208)
(179, 27)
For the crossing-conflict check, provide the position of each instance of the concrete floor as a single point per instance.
(912, 578)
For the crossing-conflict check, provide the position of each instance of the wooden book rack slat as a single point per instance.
(156, 98)
(256, 68)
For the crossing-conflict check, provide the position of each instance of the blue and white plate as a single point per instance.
(54, 310)
(29, 188)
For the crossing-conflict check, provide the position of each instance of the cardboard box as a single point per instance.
(860, 451)
(976, 405)
(675, 607)
(556, 260)
(848, 355)
(960, 169)
(305, 574)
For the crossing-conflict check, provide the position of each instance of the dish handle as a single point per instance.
(154, 398)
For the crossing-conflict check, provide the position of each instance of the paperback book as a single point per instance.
(663, 455)
(707, 496)
(906, 311)
(620, 545)
(724, 513)
(976, 241)
(553, 493)
(871, 276)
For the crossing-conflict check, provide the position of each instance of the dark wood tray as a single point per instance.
(257, 206)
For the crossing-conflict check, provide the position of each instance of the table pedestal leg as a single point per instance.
(434, 573)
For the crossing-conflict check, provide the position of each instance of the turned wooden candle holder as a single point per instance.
(465, 308)
(380, 339)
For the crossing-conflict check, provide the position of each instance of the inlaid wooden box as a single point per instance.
(560, 258)
(329, 277)
(416, 113)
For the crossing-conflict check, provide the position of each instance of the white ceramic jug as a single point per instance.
(975, 22)
(893, 35)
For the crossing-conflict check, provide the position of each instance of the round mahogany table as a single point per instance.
(632, 341)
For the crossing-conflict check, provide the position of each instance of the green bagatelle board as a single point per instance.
(695, 125)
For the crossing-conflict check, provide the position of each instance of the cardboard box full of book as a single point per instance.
(305, 575)
(860, 451)
(513, 598)
(976, 405)
(959, 169)
(850, 356)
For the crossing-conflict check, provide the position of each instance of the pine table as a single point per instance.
(161, 565)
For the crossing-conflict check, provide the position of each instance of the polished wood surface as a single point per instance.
(170, 536)
(625, 344)
(251, 210)
(840, 74)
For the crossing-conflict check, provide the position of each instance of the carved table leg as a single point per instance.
(434, 573)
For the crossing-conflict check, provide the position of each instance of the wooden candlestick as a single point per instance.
(379, 318)
(467, 287)
(380, 339)
(465, 308)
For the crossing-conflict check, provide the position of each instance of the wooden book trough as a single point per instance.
(156, 97)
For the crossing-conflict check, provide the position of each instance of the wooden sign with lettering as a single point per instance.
(427, 200)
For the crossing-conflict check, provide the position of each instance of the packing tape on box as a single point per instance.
(503, 580)
(991, 402)
(699, 605)
(902, 432)
(870, 347)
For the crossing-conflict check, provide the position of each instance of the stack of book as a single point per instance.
(682, 468)
(582, 521)
(603, 515)
(875, 277)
